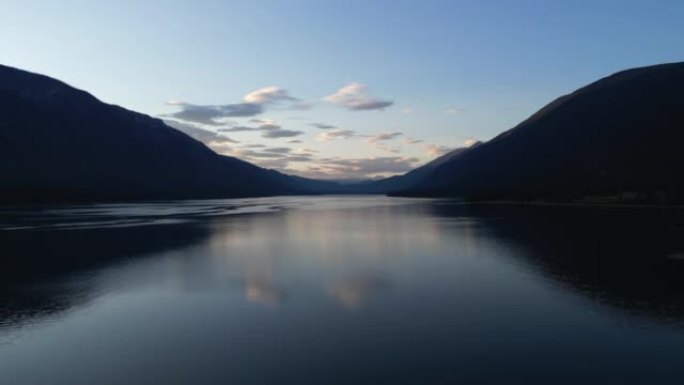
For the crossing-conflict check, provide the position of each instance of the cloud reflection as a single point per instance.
(354, 292)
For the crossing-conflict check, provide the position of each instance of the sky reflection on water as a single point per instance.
(339, 290)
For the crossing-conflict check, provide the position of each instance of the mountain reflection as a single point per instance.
(47, 272)
(419, 291)
(628, 259)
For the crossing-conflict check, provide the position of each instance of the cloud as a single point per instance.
(254, 103)
(379, 141)
(354, 292)
(213, 115)
(278, 150)
(268, 95)
(385, 136)
(302, 106)
(336, 134)
(267, 127)
(306, 162)
(454, 110)
(274, 160)
(470, 142)
(279, 164)
(257, 154)
(435, 150)
(195, 132)
(298, 158)
(262, 121)
(307, 150)
(276, 96)
(294, 141)
(407, 110)
(223, 139)
(413, 141)
(323, 126)
(281, 133)
(215, 141)
(355, 168)
(354, 97)
(261, 127)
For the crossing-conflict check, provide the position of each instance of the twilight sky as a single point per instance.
(337, 89)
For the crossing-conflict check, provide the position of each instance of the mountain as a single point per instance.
(58, 143)
(618, 139)
(405, 181)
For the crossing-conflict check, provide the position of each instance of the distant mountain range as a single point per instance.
(619, 139)
(616, 140)
(58, 143)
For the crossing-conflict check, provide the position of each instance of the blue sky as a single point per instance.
(443, 72)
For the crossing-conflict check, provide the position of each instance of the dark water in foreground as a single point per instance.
(331, 290)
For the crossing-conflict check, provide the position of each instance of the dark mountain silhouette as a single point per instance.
(405, 181)
(619, 138)
(58, 143)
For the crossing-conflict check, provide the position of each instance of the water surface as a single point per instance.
(340, 290)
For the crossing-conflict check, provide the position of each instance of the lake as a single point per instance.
(340, 290)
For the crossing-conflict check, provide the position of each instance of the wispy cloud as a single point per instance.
(259, 154)
(435, 150)
(413, 141)
(454, 110)
(336, 134)
(269, 129)
(281, 133)
(217, 142)
(278, 158)
(302, 161)
(260, 127)
(381, 140)
(268, 95)
(262, 121)
(470, 142)
(354, 168)
(385, 136)
(323, 126)
(278, 150)
(354, 97)
(254, 103)
(213, 115)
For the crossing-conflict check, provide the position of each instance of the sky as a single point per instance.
(337, 89)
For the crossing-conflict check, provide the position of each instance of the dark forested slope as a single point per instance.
(619, 137)
(58, 143)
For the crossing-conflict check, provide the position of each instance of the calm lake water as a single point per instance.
(340, 290)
